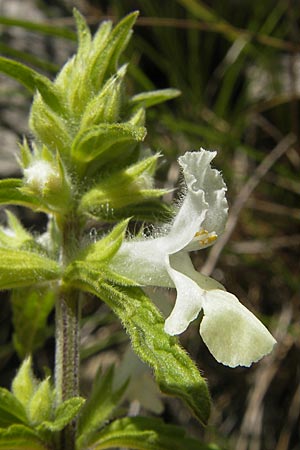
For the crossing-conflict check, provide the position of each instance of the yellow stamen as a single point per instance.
(201, 232)
(208, 238)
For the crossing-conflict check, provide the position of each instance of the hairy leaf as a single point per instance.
(43, 120)
(11, 410)
(151, 98)
(21, 268)
(31, 308)
(99, 407)
(40, 406)
(10, 194)
(175, 372)
(84, 35)
(24, 383)
(145, 433)
(104, 249)
(63, 415)
(32, 80)
(100, 139)
(20, 437)
(129, 186)
(148, 211)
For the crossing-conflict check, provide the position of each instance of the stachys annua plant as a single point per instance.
(87, 161)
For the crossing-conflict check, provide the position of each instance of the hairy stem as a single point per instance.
(68, 311)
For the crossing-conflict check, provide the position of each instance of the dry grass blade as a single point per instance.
(250, 435)
(265, 246)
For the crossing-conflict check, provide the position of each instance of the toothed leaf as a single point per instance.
(175, 372)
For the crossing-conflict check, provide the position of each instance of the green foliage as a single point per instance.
(11, 409)
(15, 236)
(86, 162)
(20, 437)
(32, 80)
(63, 415)
(24, 384)
(11, 194)
(103, 250)
(147, 211)
(151, 98)
(122, 188)
(23, 268)
(101, 404)
(40, 405)
(29, 415)
(102, 140)
(31, 308)
(145, 433)
(175, 372)
(45, 177)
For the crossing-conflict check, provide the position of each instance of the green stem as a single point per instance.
(67, 341)
(68, 311)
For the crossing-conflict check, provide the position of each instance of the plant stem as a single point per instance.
(68, 311)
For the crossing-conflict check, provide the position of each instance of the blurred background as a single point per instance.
(237, 64)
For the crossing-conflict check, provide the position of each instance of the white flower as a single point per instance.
(231, 332)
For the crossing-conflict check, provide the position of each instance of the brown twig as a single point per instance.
(265, 246)
(292, 417)
(219, 26)
(250, 434)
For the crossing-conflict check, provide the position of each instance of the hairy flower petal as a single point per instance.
(233, 335)
(204, 207)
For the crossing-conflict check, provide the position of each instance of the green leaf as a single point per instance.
(97, 61)
(65, 412)
(105, 58)
(81, 86)
(100, 139)
(10, 194)
(28, 58)
(104, 249)
(32, 80)
(50, 30)
(106, 105)
(132, 185)
(83, 34)
(22, 268)
(24, 383)
(145, 433)
(148, 211)
(40, 405)
(175, 372)
(19, 437)
(31, 308)
(43, 120)
(119, 38)
(99, 407)
(15, 234)
(148, 99)
(11, 409)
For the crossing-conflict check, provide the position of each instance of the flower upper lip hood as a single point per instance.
(231, 332)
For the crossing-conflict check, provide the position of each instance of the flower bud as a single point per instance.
(46, 178)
